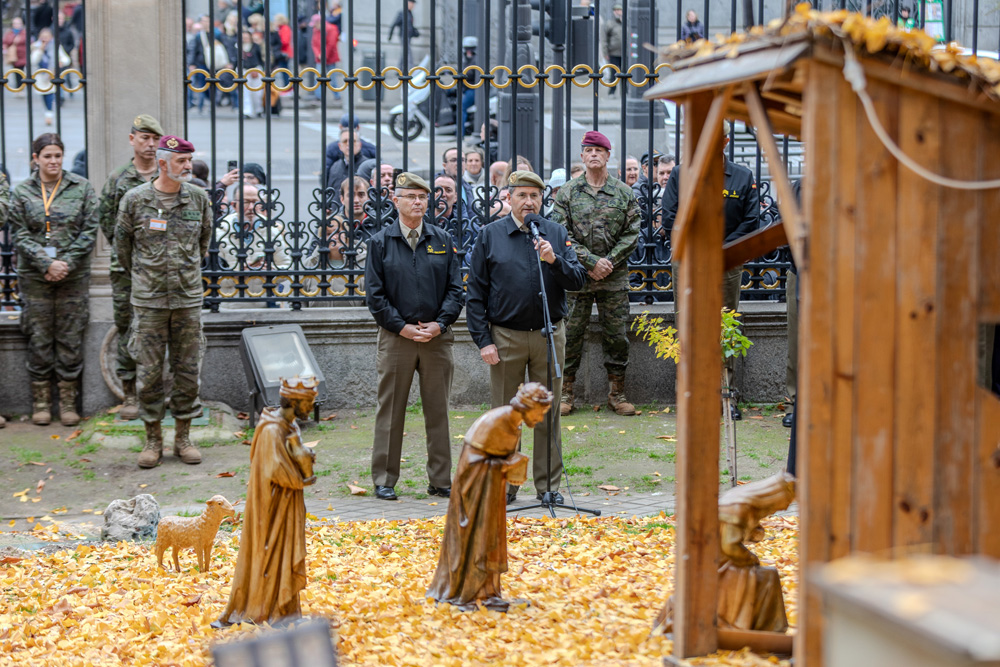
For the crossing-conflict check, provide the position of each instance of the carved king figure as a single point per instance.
(474, 548)
(271, 566)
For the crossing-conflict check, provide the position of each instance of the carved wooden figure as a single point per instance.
(196, 533)
(474, 548)
(271, 566)
(749, 594)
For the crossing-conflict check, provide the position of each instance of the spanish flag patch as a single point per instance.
(568, 243)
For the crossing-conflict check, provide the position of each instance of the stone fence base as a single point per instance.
(343, 342)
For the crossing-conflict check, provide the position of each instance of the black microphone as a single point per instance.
(532, 220)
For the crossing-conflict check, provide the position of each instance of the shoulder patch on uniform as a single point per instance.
(753, 185)
(568, 242)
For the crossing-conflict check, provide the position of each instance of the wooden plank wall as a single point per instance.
(899, 451)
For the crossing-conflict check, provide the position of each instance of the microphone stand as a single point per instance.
(552, 369)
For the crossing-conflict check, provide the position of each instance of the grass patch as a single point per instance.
(579, 470)
(89, 475)
(88, 448)
(322, 473)
(25, 456)
(135, 449)
(415, 409)
(188, 513)
(178, 489)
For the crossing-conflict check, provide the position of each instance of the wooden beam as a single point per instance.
(742, 250)
(817, 321)
(987, 483)
(989, 230)
(709, 150)
(696, 578)
(791, 215)
(757, 641)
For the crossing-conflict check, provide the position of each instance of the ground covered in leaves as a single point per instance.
(594, 587)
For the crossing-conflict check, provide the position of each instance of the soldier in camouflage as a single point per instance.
(53, 216)
(602, 218)
(144, 137)
(161, 236)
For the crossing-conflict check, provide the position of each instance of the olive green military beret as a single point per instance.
(410, 181)
(525, 179)
(146, 123)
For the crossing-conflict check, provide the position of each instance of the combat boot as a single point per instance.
(67, 403)
(152, 449)
(183, 449)
(616, 396)
(41, 403)
(130, 406)
(566, 402)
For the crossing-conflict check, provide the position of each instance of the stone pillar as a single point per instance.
(135, 64)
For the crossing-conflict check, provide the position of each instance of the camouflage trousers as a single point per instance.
(612, 317)
(155, 332)
(121, 299)
(54, 319)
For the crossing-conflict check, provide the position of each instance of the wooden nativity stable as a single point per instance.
(899, 446)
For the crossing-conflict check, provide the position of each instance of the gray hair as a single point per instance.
(163, 154)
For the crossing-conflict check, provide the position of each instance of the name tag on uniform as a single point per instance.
(157, 225)
(442, 251)
(191, 215)
(50, 251)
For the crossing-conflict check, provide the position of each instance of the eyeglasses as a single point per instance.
(412, 197)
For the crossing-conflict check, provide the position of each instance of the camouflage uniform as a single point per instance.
(602, 224)
(55, 314)
(165, 267)
(119, 182)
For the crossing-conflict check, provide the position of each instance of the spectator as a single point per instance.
(447, 207)
(449, 167)
(41, 17)
(333, 152)
(575, 169)
(331, 57)
(492, 152)
(405, 18)
(342, 168)
(204, 51)
(284, 31)
(663, 169)
(199, 169)
(497, 170)
(247, 230)
(611, 41)
(906, 21)
(253, 100)
(43, 56)
(472, 167)
(15, 46)
(692, 30)
(254, 174)
(631, 170)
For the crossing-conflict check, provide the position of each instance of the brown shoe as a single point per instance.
(67, 403)
(616, 396)
(41, 403)
(152, 449)
(183, 449)
(130, 406)
(3, 422)
(566, 402)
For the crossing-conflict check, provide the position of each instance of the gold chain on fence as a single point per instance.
(445, 77)
(47, 77)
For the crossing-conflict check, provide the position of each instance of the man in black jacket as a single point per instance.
(407, 33)
(414, 292)
(741, 210)
(504, 309)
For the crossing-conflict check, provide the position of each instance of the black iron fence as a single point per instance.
(467, 85)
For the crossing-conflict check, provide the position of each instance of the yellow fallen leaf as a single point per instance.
(35, 500)
(310, 444)
(20, 494)
(329, 508)
(357, 490)
(570, 428)
(432, 504)
(620, 432)
(54, 436)
(141, 486)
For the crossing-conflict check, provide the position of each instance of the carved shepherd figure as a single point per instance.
(271, 566)
(474, 548)
(197, 532)
(749, 594)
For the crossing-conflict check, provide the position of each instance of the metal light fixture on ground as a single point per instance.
(274, 352)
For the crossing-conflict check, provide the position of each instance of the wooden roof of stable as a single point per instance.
(769, 54)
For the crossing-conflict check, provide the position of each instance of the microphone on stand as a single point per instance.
(532, 220)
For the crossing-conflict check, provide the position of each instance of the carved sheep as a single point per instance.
(197, 533)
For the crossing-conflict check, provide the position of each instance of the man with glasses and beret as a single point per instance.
(162, 234)
(504, 310)
(414, 292)
(144, 136)
(601, 216)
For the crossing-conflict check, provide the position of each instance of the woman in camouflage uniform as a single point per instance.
(53, 216)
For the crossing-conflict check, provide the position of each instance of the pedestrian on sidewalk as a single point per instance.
(53, 216)
(144, 136)
(163, 232)
(407, 33)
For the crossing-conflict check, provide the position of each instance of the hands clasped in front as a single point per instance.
(58, 270)
(421, 332)
(602, 269)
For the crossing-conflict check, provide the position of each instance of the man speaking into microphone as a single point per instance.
(504, 308)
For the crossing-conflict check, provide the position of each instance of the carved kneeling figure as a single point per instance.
(196, 532)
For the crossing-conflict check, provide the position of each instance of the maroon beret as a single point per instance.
(175, 144)
(595, 138)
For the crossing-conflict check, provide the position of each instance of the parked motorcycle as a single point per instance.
(448, 108)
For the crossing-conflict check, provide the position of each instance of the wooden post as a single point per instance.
(699, 308)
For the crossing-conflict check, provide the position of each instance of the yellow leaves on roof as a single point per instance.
(594, 587)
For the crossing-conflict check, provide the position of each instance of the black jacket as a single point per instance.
(503, 279)
(742, 201)
(333, 153)
(398, 23)
(406, 286)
